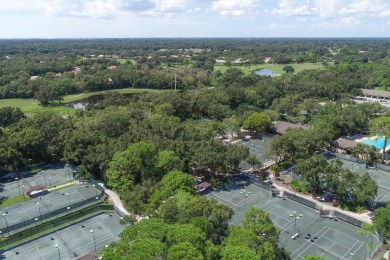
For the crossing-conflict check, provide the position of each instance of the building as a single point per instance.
(376, 94)
(281, 127)
(343, 145)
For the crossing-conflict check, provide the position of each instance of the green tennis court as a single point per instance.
(303, 231)
(74, 241)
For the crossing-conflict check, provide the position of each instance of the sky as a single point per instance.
(193, 18)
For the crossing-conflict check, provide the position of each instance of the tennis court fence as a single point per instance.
(255, 180)
(17, 227)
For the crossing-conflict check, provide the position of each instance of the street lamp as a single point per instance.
(40, 215)
(94, 241)
(6, 222)
(24, 198)
(94, 186)
(296, 217)
(36, 224)
(56, 246)
(17, 179)
(67, 194)
(50, 181)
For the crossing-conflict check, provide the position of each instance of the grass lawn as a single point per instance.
(277, 68)
(31, 106)
(14, 200)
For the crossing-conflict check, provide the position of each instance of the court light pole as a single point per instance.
(94, 241)
(6, 221)
(66, 194)
(40, 215)
(17, 179)
(296, 217)
(24, 197)
(36, 225)
(94, 186)
(59, 255)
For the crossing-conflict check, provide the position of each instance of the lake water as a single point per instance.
(266, 72)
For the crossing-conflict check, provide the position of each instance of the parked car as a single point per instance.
(327, 196)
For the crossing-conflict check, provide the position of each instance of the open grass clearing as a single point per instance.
(31, 106)
(276, 68)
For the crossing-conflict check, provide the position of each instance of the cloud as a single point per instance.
(294, 8)
(360, 8)
(112, 8)
(234, 7)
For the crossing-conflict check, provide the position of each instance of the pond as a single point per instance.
(266, 72)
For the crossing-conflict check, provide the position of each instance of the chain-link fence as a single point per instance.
(19, 226)
(255, 180)
(58, 223)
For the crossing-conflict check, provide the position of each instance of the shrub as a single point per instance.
(299, 186)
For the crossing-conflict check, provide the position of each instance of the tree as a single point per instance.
(184, 251)
(10, 115)
(130, 167)
(366, 188)
(381, 127)
(257, 122)
(312, 257)
(146, 248)
(381, 221)
(186, 233)
(232, 252)
(288, 69)
(168, 161)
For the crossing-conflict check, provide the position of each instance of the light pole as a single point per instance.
(36, 225)
(59, 255)
(6, 222)
(296, 217)
(17, 179)
(50, 181)
(44, 176)
(67, 194)
(40, 215)
(246, 194)
(24, 198)
(94, 186)
(94, 241)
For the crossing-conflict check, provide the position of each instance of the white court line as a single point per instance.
(383, 194)
(81, 195)
(39, 251)
(227, 201)
(244, 201)
(361, 244)
(350, 250)
(7, 187)
(307, 242)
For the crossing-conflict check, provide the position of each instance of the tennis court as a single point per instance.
(257, 147)
(334, 240)
(24, 214)
(15, 183)
(381, 177)
(287, 215)
(303, 231)
(240, 198)
(71, 242)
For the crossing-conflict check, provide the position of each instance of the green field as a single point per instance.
(276, 68)
(31, 106)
